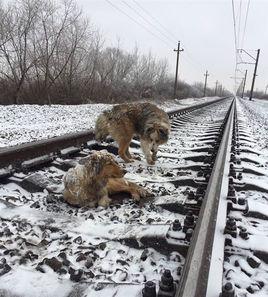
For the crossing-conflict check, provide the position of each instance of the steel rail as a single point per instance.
(16, 154)
(214, 282)
(196, 270)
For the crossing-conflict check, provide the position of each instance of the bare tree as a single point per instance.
(15, 50)
(50, 53)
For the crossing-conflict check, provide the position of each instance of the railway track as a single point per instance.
(188, 240)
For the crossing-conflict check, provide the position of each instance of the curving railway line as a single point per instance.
(198, 236)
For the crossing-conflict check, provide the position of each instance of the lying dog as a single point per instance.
(124, 121)
(90, 183)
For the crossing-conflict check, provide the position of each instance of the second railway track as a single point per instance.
(115, 251)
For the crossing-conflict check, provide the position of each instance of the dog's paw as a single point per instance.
(151, 162)
(92, 204)
(141, 193)
(128, 160)
(154, 157)
(145, 193)
(104, 201)
(136, 196)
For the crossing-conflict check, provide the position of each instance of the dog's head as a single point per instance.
(103, 165)
(158, 133)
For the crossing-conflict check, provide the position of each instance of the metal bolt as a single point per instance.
(176, 226)
(149, 289)
(189, 234)
(200, 200)
(191, 195)
(232, 172)
(230, 227)
(241, 201)
(228, 290)
(207, 177)
(200, 191)
(188, 222)
(167, 287)
(231, 194)
(233, 158)
(200, 173)
(243, 233)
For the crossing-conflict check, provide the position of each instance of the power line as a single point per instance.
(239, 39)
(234, 23)
(239, 21)
(148, 22)
(187, 52)
(141, 25)
(245, 25)
(155, 19)
(153, 26)
(236, 45)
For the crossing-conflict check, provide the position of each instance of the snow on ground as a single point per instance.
(50, 248)
(245, 262)
(25, 123)
(257, 113)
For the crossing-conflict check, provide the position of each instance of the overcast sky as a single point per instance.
(205, 29)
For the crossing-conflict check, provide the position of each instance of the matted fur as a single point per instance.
(124, 121)
(90, 183)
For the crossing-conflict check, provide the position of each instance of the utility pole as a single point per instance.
(216, 88)
(205, 86)
(266, 90)
(220, 90)
(254, 75)
(178, 50)
(244, 84)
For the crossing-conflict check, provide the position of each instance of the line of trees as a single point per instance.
(257, 94)
(51, 54)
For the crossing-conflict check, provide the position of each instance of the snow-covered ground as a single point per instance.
(49, 248)
(246, 259)
(27, 219)
(25, 123)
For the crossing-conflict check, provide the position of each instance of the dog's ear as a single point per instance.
(94, 165)
(97, 165)
(163, 134)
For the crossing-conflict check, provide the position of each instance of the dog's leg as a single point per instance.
(104, 201)
(132, 157)
(92, 204)
(123, 150)
(128, 154)
(70, 198)
(154, 152)
(146, 148)
(117, 185)
(154, 158)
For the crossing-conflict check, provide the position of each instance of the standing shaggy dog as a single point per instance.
(124, 121)
(90, 183)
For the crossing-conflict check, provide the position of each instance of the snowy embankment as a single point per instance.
(25, 123)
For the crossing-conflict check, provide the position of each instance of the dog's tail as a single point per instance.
(101, 127)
